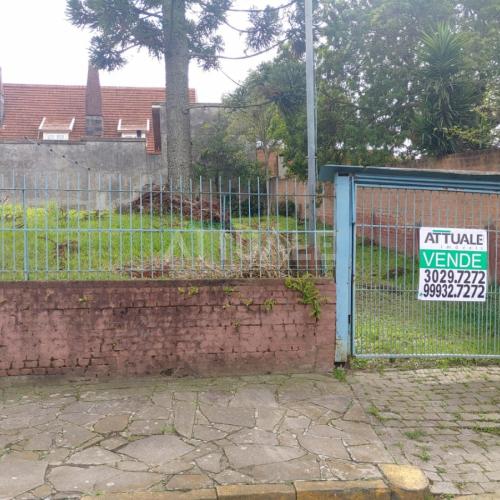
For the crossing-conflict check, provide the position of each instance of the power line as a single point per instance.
(232, 79)
(269, 8)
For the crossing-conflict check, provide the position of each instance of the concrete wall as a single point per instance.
(90, 175)
(105, 156)
(202, 328)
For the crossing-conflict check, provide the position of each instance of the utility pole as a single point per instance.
(311, 122)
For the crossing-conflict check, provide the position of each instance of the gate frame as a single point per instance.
(347, 178)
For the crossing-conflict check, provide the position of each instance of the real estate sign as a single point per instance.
(453, 264)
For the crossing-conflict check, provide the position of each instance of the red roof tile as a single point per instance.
(26, 105)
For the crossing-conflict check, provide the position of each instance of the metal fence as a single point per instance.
(390, 321)
(91, 226)
(100, 227)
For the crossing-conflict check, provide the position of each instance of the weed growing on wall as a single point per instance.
(269, 304)
(306, 286)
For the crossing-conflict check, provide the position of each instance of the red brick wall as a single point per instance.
(179, 328)
(391, 217)
(487, 161)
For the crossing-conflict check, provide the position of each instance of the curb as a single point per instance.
(481, 496)
(400, 482)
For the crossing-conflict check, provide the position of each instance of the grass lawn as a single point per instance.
(84, 245)
(390, 320)
(392, 323)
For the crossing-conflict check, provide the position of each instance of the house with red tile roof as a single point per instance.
(70, 115)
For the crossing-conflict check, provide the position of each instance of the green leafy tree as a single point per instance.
(371, 80)
(222, 155)
(178, 31)
(386, 35)
(343, 136)
(255, 118)
(479, 20)
(451, 96)
(283, 83)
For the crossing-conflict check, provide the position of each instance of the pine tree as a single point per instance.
(179, 31)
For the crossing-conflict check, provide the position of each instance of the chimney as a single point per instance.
(93, 104)
(2, 100)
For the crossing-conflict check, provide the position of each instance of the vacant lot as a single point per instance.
(52, 243)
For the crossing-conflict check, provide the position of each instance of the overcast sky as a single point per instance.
(39, 45)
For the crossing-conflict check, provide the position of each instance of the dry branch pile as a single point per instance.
(267, 259)
(161, 200)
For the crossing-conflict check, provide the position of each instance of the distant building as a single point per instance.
(99, 128)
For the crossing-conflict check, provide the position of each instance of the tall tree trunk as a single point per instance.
(177, 84)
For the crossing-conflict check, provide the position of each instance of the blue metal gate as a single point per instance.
(379, 212)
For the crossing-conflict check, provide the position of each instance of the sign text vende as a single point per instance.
(453, 259)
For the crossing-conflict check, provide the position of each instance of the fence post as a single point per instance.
(345, 211)
(25, 233)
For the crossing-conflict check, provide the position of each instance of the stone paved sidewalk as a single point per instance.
(63, 440)
(447, 422)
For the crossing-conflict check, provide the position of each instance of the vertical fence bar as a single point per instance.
(120, 221)
(35, 226)
(162, 251)
(151, 228)
(25, 234)
(3, 201)
(78, 228)
(241, 256)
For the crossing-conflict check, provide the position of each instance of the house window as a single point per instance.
(139, 134)
(52, 136)
(56, 129)
(133, 129)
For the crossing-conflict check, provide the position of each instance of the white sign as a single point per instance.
(453, 264)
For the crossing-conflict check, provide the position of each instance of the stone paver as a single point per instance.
(94, 456)
(328, 447)
(157, 432)
(18, 476)
(112, 423)
(306, 467)
(63, 440)
(156, 450)
(432, 418)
